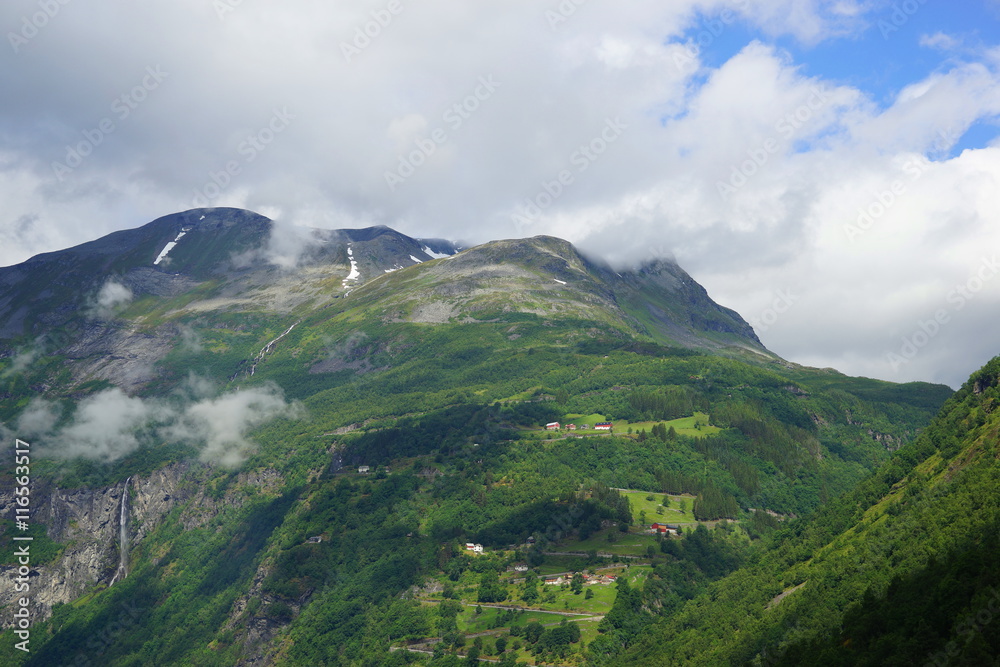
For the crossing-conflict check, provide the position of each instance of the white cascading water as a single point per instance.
(123, 536)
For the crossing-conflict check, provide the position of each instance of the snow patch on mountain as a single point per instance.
(354, 274)
(435, 255)
(166, 250)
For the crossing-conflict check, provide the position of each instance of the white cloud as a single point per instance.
(111, 424)
(220, 424)
(940, 41)
(38, 418)
(656, 187)
(21, 362)
(105, 425)
(112, 296)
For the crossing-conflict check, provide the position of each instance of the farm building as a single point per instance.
(552, 426)
(604, 426)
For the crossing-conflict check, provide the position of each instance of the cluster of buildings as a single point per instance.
(556, 426)
(587, 579)
(475, 548)
(664, 529)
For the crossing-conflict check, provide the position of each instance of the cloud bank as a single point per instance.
(110, 424)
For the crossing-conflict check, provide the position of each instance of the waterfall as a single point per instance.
(122, 536)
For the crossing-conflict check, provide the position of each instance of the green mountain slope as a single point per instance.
(234, 392)
(901, 571)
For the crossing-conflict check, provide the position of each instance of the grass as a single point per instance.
(683, 426)
(469, 621)
(556, 564)
(671, 514)
(578, 419)
(567, 600)
(627, 544)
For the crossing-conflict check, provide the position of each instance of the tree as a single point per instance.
(589, 594)
(576, 584)
(490, 588)
(501, 644)
(529, 592)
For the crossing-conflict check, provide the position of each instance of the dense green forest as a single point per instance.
(902, 570)
(466, 460)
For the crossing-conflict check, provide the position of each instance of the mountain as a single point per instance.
(256, 445)
(140, 290)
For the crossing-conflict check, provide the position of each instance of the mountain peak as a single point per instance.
(241, 252)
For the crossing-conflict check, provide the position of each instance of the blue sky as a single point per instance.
(838, 238)
(884, 55)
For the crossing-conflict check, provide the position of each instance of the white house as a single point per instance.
(363, 470)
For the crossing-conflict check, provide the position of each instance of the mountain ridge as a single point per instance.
(246, 251)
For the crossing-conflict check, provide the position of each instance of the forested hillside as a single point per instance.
(356, 460)
(902, 570)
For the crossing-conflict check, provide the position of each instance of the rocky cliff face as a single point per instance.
(87, 522)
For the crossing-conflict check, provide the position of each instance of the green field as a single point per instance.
(471, 622)
(628, 544)
(695, 426)
(589, 420)
(671, 514)
(567, 600)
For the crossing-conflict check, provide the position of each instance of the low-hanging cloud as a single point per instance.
(112, 296)
(219, 425)
(21, 362)
(111, 424)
